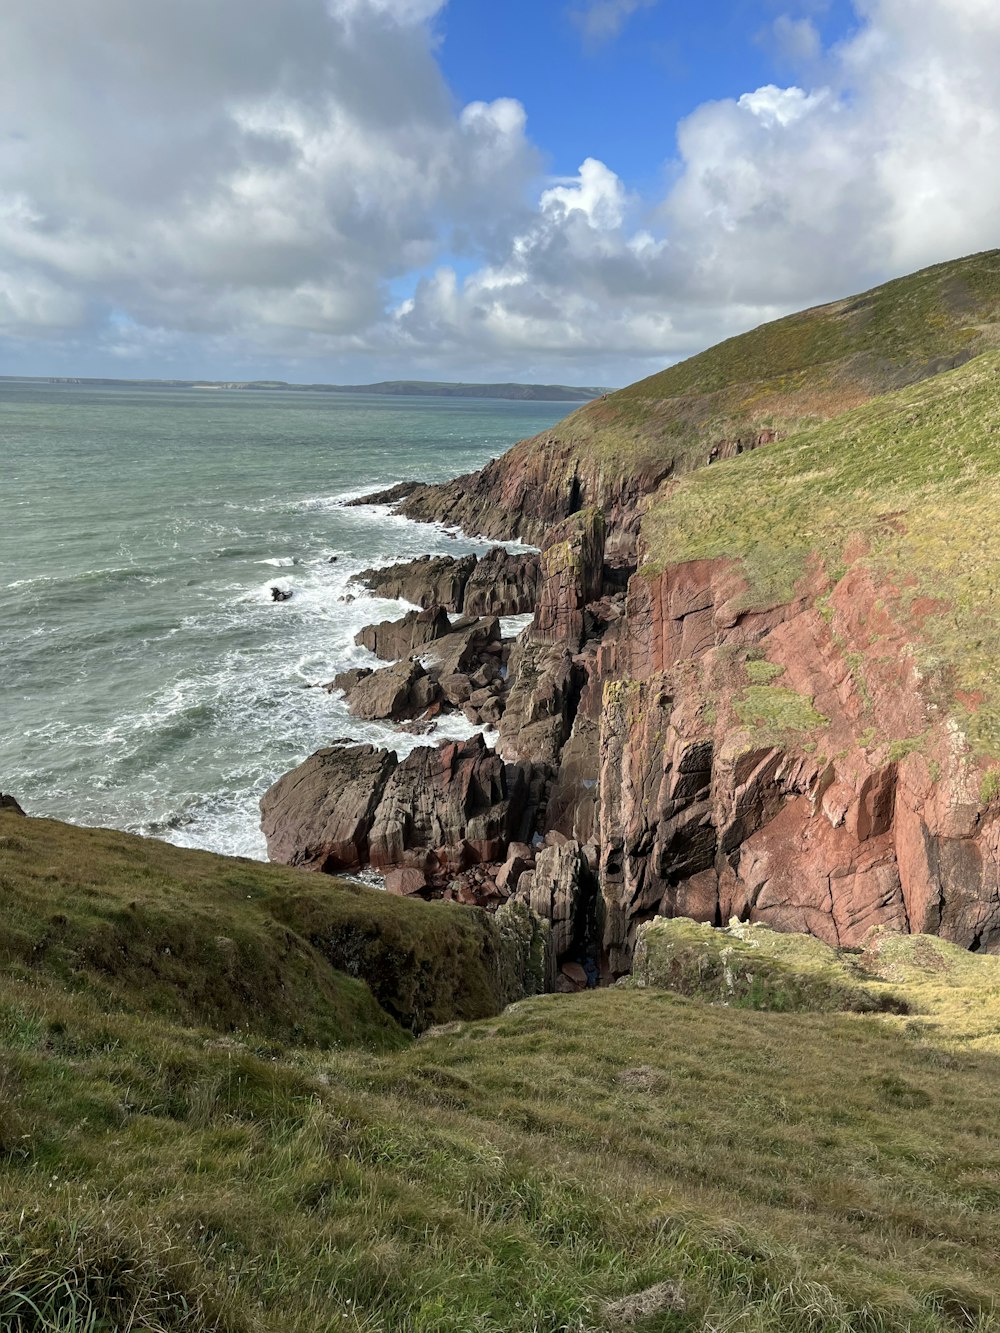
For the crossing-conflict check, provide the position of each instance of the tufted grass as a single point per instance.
(615, 1159)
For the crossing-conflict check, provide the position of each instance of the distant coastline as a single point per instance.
(386, 388)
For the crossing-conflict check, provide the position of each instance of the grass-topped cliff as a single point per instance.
(624, 1159)
(780, 378)
(909, 484)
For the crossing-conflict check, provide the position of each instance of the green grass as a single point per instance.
(617, 1159)
(806, 368)
(916, 475)
(232, 943)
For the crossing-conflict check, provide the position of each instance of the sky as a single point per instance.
(572, 191)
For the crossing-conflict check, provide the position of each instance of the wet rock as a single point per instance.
(392, 693)
(279, 594)
(318, 815)
(394, 639)
(428, 581)
(346, 680)
(391, 495)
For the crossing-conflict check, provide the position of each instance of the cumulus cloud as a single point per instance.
(243, 164)
(780, 198)
(251, 178)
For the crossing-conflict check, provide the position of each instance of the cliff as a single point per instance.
(615, 451)
(760, 679)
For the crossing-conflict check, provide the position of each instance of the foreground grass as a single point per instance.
(617, 1159)
(235, 944)
(758, 1171)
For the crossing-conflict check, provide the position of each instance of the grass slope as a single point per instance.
(805, 368)
(229, 943)
(617, 1159)
(915, 474)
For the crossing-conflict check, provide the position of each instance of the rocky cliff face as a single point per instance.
(776, 726)
(828, 797)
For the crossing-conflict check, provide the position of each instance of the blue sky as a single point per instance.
(579, 191)
(618, 98)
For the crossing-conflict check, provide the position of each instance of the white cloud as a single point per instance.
(249, 181)
(248, 162)
(780, 198)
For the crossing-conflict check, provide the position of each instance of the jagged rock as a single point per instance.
(455, 688)
(519, 860)
(318, 815)
(346, 680)
(462, 791)
(502, 584)
(392, 693)
(391, 495)
(554, 890)
(540, 482)
(572, 568)
(428, 581)
(393, 639)
(461, 650)
(544, 687)
(9, 804)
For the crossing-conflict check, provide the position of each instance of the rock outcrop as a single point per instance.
(394, 693)
(500, 583)
(440, 813)
(319, 815)
(393, 639)
(427, 581)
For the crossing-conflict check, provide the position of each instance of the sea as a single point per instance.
(148, 679)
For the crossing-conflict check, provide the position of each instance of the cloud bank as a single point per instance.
(253, 180)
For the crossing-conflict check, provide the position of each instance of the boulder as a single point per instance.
(9, 804)
(463, 648)
(393, 693)
(318, 816)
(393, 639)
(405, 880)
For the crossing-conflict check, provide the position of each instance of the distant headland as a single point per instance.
(389, 388)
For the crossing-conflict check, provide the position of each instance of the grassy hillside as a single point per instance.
(916, 475)
(220, 942)
(624, 1159)
(806, 368)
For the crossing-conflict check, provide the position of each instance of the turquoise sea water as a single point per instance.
(147, 679)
